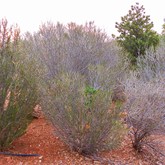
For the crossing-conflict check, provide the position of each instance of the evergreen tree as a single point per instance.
(136, 34)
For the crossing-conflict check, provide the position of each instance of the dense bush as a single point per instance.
(17, 87)
(79, 68)
(74, 48)
(81, 114)
(146, 108)
(145, 91)
(152, 66)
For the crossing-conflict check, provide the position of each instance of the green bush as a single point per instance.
(17, 87)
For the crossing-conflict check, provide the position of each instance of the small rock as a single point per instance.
(40, 157)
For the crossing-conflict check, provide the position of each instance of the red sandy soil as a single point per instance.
(40, 139)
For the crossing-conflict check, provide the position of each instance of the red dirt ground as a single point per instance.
(40, 139)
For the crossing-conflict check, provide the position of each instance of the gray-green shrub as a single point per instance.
(74, 48)
(75, 58)
(145, 91)
(81, 114)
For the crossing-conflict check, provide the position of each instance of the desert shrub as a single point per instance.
(17, 87)
(146, 108)
(145, 91)
(80, 66)
(77, 48)
(152, 66)
(81, 114)
(74, 48)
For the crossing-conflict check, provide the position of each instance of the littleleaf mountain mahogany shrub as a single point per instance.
(136, 34)
(17, 87)
(79, 69)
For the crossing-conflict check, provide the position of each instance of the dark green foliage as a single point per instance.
(17, 87)
(136, 34)
(89, 94)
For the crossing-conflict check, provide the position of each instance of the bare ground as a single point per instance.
(40, 139)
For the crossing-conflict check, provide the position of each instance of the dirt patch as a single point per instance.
(40, 139)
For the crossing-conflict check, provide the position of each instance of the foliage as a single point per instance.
(145, 90)
(81, 115)
(17, 87)
(136, 34)
(73, 47)
(145, 110)
(79, 68)
(89, 94)
(163, 29)
(152, 66)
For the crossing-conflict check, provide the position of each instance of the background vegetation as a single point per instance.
(83, 81)
(136, 34)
